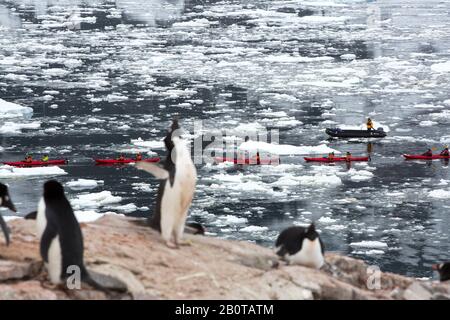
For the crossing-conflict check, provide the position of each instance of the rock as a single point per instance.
(417, 291)
(27, 290)
(122, 254)
(11, 270)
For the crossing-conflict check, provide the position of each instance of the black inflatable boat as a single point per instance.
(341, 133)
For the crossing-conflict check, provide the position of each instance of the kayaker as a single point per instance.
(445, 152)
(121, 158)
(258, 159)
(28, 158)
(369, 124)
(139, 157)
(45, 158)
(429, 153)
(348, 156)
(331, 156)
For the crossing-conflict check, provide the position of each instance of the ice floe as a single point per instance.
(81, 184)
(439, 194)
(285, 149)
(8, 172)
(148, 144)
(95, 200)
(254, 229)
(12, 110)
(369, 244)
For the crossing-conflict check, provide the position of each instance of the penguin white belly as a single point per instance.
(177, 198)
(310, 255)
(54, 265)
(41, 220)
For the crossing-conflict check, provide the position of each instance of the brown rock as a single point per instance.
(11, 270)
(134, 256)
(27, 290)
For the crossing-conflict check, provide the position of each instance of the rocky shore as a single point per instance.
(134, 258)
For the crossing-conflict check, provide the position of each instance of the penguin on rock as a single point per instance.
(303, 246)
(178, 180)
(5, 201)
(61, 239)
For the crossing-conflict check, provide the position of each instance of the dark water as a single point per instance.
(100, 73)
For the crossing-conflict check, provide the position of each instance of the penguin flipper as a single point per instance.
(31, 215)
(5, 229)
(153, 169)
(46, 239)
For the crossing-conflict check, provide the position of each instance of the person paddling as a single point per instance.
(121, 158)
(331, 156)
(348, 156)
(445, 152)
(369, 124)
(28, 158)
(45, 158)
(429, 153)
(139, 157)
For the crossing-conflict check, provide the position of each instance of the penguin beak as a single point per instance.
(8, 204)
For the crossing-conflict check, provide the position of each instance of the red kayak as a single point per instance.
(336, 159)
(125, 161)
(420, 157)
(247, 161)
(36, 163)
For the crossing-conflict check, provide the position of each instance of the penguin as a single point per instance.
(178, 180)
(5, 201)
(61, 239)
(303, 246)
(443, 269)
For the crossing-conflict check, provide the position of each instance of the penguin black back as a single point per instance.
(62, 223)
(290, 240)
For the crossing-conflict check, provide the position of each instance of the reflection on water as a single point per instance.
(7, 19)
(150, 11)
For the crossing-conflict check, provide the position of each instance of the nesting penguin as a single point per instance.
(61, 243)
(443, 269)
(303, 246)
(5, 201)
(176, 190)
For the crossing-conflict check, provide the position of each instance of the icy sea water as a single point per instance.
(101, 73)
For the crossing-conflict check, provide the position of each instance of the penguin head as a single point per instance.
(5, 199)
(311, 233)
(53, 190)
(173, 135)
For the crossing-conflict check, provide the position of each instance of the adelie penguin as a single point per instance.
(61, 243)
(303, 246)
(5, 201)
(443, 269)
(176, 190)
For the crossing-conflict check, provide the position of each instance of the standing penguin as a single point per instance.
(61, 238)
(443, 269)
(176, 190)
(5, 201)
(298, 245)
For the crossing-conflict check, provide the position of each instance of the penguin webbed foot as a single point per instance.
(184, 243)
(171, 245)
